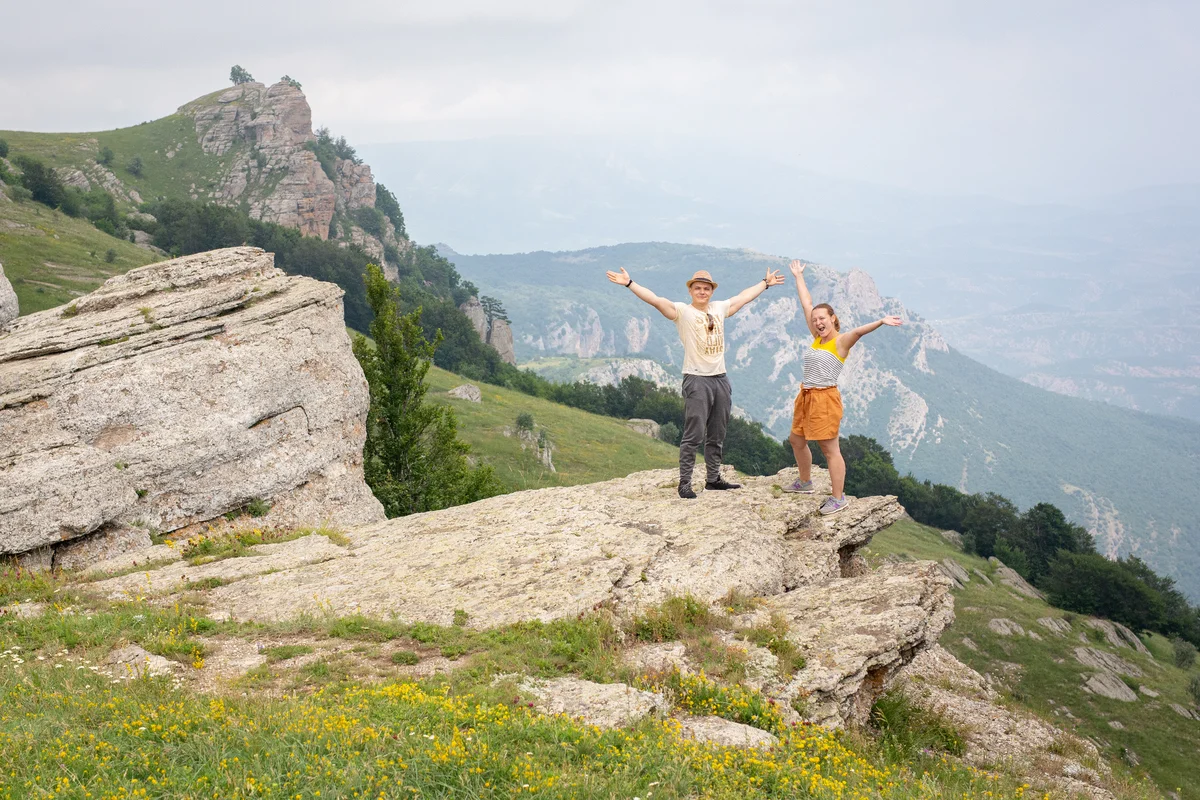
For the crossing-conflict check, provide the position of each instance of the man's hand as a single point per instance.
(797, 267)
(774, 277)
(621, 277)
(892, 320)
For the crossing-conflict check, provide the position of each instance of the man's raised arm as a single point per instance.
(746, 295)
(665, 306)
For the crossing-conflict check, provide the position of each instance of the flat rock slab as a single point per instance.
(133, 661)
(556, 553)
(605, 705)
(723, 732)
(1099, 659)
(856, 633)
(1005, 627)
(1118, 635)
(1056, 625)
(1106, 684)
(179, 575)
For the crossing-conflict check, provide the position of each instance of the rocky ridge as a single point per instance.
(174, 394)
(8, 301)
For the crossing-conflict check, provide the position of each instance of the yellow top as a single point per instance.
(830, 346)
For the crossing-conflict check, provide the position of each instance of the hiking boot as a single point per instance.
(722, 484)
(833, 505)
(800, 487)
(685, 491)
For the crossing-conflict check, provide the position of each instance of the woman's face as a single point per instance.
(822, 322)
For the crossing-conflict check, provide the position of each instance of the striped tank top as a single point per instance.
(822, 365)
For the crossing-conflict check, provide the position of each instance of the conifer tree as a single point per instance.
(413, 460)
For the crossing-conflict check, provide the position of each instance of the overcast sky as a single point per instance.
(1036, 100)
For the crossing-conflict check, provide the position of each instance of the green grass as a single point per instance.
(1049, 676)
(587, 447)
(51, 258)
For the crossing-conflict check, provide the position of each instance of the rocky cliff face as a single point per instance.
(497, 333)
(173, 394)
(264, 133)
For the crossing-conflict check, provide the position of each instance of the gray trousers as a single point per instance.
(707, 400)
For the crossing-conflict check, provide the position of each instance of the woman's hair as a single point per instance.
(837, 326)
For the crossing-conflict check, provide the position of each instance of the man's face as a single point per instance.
(700, 291)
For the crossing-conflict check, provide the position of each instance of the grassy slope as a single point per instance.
(587, 447)
(51, 258)
(1048, 678)
(151, 141)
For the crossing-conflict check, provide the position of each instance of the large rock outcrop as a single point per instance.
(8, 301)
(497, 333)
(624, 545)
(265, 134)
(178, 392)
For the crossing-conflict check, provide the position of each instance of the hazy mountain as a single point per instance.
(1129, 476)
(1114, 282)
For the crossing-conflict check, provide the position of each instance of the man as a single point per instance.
(707, 395)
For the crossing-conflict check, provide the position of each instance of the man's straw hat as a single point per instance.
(702, 275)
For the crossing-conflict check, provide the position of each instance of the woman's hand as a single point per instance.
(774, 277)
(892, 320)
(797, 268)
(621, 277)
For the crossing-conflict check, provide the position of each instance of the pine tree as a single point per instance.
(413, 460)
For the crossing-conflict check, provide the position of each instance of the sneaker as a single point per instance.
(721, 483)
(800, 487)
(833, 505)
(685, 491)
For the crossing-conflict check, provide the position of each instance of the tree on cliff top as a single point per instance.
(239, 75)
(412, 460)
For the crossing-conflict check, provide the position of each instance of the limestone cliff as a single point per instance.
(265, 134)
(173, 394)
(497, 332)
(8, 300)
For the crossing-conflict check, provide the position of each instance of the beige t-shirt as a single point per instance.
(703, 350)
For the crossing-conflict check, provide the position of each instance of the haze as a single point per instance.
(1029, 101)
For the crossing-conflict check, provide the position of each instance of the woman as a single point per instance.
(817, 413)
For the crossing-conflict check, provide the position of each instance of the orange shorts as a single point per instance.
(817, 413)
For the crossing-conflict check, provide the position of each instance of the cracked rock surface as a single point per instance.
(175, 393)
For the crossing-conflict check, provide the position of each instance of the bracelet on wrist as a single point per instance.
(629, 284)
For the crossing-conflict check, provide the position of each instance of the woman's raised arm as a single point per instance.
(797, 268)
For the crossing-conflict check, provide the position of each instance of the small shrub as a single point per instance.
(110, 256)
(460, 618)
(907, 730)
(1185, 653)
(525, 421)
(1097, 635)
(673, 619)
(405, 658)
(669, 433)
(285, 651)
(3, 149)
(1194, 689)
(258, 507)
(736, 601)
(105, 157)
(774, 638)
(135, 166)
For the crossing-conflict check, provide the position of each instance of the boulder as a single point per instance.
(646, 427)
(1099, 659)
(1005, 627)
(8, 301)
(982, 576)
(1013, 580)
(176, 393)
(605, 705)
(658, 657)
(725, 733)
(1181, 711)
(132, 661)
(1118, 635)
(1109, 685)
(1056, 625)
(953, 537)
(955, 572)
(467, 391)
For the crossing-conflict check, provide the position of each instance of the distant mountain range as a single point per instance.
(1129, 476)
(1098, 299)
